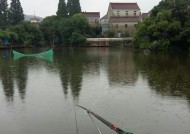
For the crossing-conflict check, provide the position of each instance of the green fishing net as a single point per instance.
(47, 55)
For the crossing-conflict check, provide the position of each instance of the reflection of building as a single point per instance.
(121, 68)
(93, 17)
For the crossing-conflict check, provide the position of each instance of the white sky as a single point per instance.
(45, 8)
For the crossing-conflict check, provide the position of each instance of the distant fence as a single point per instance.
(109, 39)
(106, 41)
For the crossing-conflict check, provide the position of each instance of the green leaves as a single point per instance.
(26, 34)
(15, 12)
(165, 26)
(3, 14)
(65, 31)
(62, 9)
(73, 7)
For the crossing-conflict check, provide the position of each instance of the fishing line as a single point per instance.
(94, 123)
(77, 132)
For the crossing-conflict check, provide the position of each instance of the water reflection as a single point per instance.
(100, 78)
(6, 75)
(121, 67)
(15, 72)
(72, 64)
(21, 74)
(168, 74)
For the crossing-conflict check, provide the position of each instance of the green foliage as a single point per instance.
(77, 39)
(49, 28)
(28, 34)
(73, 7)
(96, 31)
(110, 34)
(62, 9)
(73, 27)
(12, 36)
(80, 24)
(15, 12)
(125, 34)
(8, 34)
(166, 27)
(3, 14)
(62, 31)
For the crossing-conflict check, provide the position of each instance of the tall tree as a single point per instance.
(62, 9)
(73, 7)
(15, 12)
(3, 14)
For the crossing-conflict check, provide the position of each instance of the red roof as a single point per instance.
(124, 6)
(91, 14)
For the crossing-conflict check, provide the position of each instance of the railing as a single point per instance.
(109, 39)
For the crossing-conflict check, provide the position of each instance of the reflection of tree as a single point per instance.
(6, 75)
(72, 64)
(121, 68)
(21, 71)
(10, 71)
(7, 82)
(16, 71)
(168, 75)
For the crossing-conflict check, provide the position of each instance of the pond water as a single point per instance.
(143, 93)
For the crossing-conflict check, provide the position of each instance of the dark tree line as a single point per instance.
(10, 15)
(68, 9)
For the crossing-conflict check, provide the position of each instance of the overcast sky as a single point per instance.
(45, 8)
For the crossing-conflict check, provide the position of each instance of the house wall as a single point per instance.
(119, 12)
(93, 20)
(119, 27)
(110, 12)
(104, 21)
(123, 26)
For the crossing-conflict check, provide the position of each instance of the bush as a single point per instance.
(77, 39)
(110, 34)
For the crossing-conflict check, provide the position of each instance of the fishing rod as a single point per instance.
(110, 125)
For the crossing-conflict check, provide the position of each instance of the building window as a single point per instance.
(126, 13)
(116, 25)
(135, 13)
(96, 21)
(126, 25)
(117, 13)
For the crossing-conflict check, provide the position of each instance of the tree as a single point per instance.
(15, 12)
(73, 7)
(12, 36)
(3, 14)
(62, 9)
(28, 34)
(167, 27)
(49, 28)
(74, 30)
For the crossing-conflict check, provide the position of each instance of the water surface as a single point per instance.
(145, 94)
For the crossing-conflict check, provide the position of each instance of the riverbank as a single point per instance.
(13, 47)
